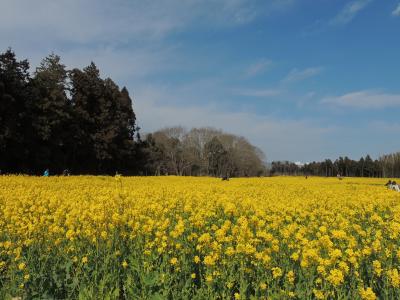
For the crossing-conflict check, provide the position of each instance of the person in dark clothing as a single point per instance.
(389, 183)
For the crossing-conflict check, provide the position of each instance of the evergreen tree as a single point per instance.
(124, 127)
(106, 122)
(51, 114)
(87, 92)
(65, 119)
(14, 119)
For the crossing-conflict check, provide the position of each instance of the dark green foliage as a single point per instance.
(51, 112)
(60, 119)
(105, 122)
(343, 166)
(14, 119)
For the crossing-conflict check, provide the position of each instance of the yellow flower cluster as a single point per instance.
(278, 238)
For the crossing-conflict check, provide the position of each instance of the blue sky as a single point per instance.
(301, 79)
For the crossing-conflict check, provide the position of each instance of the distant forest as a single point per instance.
(385, 166)
(59, 119)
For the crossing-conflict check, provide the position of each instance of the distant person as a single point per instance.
(392, 185)
(66, 172)
(388, 184)
(46, 173)
(395, 186)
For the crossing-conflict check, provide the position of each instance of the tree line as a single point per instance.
(58, 119)
(55, 118)
(202, 152)
(385, 166)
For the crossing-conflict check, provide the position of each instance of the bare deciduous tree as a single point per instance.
(206, 151)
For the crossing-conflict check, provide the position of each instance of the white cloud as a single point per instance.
(120, 21)
(125, 38)
(396, 11)
(280, 139)
(258, 67)
(276, 137)
(365, 100)
(298, 75)
(349, 12)
(121, 64)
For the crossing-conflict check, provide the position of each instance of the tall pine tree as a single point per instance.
(106, 121)
(14, 119)
(51, 114)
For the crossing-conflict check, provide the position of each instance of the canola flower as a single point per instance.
(367, 294)
(180, 237)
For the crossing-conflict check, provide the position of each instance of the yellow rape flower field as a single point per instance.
(89, 237)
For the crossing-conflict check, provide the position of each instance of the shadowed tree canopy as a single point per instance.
(217, 157)
(343, 166)
(61, 119)
(52, 116)
(15, 92)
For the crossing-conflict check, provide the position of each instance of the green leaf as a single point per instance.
(157, 296)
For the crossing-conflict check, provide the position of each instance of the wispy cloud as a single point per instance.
(126, 37)
(299, 75)
(258, 67)
(345, 16)
(313, 138)
(305, 99)
(87, 21)
(276, 137)
(122, 21)
(257, 92)
(121, 64)
(349, 12)
(396, 11)
(365, 100)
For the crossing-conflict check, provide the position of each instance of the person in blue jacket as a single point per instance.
(46, 173)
